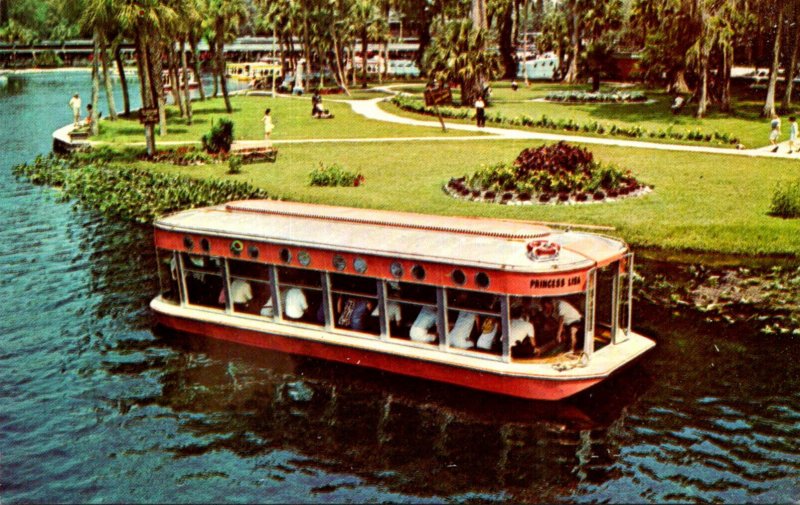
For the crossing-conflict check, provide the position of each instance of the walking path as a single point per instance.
(371, 110)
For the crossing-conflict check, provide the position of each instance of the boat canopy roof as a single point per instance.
(480, 242)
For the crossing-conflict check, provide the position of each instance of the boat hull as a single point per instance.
(532, 388)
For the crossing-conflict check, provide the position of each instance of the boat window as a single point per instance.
(203, 280)
(301, 295)
(249, 287)
(545, 315)
(411, 312)
(355, 303)
(168, 276)
(604, 304)
(474, 321)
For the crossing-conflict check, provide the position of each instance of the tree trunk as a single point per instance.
(196, 66)
(337, 55)
(702, 103)
(185, 69)
(679, 84)
(786, 103)
(353, 62)
(172, 70)
(507, 43)
(123, 79)
(477, 14)
(725, 97)
(575, 45)
(212, 48)
(95, 129)
(112, 108)
(364, 59)
(143, 64)
(306, 47)
(769, 104)
(221, 64)
(156, 82)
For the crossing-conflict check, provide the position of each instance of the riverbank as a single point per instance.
(764, 297)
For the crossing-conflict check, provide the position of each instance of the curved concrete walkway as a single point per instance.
(371, 110)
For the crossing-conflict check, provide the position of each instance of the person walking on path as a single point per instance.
(792, 133)
(75, 105)
(775, 132)
(268, 127)
(480, 112)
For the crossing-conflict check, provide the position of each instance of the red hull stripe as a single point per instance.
(522, 387)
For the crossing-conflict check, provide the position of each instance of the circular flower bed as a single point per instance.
(553, 174)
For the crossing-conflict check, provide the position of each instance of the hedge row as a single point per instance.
(413, 104)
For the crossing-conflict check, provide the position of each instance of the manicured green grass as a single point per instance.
(291, 115)
(712, 203)
(744, 122)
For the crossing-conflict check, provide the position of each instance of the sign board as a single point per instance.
(438, 96)
(148, 116)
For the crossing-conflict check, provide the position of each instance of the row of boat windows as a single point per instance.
(399, 310)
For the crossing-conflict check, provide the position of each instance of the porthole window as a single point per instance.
(237, 247)
(252, 251)
(304, 258)
(188, 243)
(205, 245)
(360, 265)
(396, 269)
(418, 272)
(482, 280)
(458, 277)
(286, 255)
(339, 262)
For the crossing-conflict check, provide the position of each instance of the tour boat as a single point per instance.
(247, 71)
(479, 303)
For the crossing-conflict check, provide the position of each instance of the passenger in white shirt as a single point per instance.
(241, 292)
(425, 321)
(392, 312)
(567, 316)
(294, 304)
(488, 334)
(519, 328)
(459, 335)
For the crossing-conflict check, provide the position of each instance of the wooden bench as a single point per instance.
(254, 154)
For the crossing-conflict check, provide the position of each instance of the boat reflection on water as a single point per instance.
(410, 436)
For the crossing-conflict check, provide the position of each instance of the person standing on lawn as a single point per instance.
(480, 112)
(75, 105)
(268, 127)
(792, 133)
(775, 132)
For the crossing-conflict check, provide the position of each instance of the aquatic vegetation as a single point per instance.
(128, 192)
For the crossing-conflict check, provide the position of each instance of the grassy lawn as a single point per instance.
(292, 118)
(711, 203)
(744, 122)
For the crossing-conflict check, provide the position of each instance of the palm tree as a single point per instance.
(363, 15)
(457, 55)
(769, 103)
(223, 18)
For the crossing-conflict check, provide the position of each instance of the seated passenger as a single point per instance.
(354, 313)
(488, 335)
(294, 303)
(566, 316)
(241, 292)
(424, 322)
(392, 313)
(459, 335)
(520, 328)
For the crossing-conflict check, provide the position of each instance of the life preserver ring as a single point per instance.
(543, 249)
(237, 247)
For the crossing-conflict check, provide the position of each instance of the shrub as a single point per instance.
(220, 138)
(786, 200)
(334, 175)
(235, 165)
